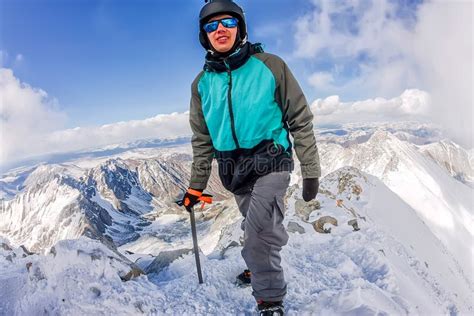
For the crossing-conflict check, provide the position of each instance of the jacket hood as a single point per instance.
(216, 63)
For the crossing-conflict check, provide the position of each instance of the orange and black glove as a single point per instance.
(191, 197)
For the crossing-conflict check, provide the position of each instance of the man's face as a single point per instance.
(223, 38)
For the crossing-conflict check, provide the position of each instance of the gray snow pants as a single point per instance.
(264, 234)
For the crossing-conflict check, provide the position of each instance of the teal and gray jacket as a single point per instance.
(243, 109)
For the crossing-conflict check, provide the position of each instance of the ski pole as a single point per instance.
(195, 243)
(205, 198)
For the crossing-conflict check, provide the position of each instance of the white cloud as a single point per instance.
(32, 124)
(19, 58)
(160, 126)
(376, 32)
(26, 114)
(384, 41)
(435, 54)
(410, 105)
(322, 80)
(443, 48)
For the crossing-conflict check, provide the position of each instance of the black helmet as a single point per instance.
(216, 7)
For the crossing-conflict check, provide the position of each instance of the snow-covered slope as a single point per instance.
(12, 183)
(69, 280)
(392, 265)
(108, 200)
(412, 254)
(417, 259)
(58, 204)
(453, 158)
(444, 203)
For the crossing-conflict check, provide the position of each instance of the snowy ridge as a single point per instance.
(96, 152)
(12, 183)
(74, 272)
(26, 219)
(120, 185)
(444, 203)
(398, 192)
(356, 133)
(455, 159)
(54, 205)
(111, 200)
(392, 265)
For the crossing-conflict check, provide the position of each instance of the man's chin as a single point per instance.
(221, 51)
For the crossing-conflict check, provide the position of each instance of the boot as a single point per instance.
(270, 308)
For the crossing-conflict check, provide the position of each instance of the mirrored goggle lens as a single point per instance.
(211, 26)
(227, 22)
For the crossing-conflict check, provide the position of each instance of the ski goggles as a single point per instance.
(226, 22)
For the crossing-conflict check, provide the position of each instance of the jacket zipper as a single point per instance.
(229, 103)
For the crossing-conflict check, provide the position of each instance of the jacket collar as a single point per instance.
(233, 61)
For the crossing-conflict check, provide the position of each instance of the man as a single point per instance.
(244, 105)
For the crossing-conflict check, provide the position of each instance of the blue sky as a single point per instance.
(107, 61)
(120, 63)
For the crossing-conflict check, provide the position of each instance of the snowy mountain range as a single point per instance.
(390, 232)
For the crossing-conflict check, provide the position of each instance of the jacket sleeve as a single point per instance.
(296, 113)
(203, 151)
(300, 120)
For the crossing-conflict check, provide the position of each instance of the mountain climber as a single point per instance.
(244, 106)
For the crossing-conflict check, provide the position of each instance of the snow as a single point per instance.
(452, 157)
(444, 203)
(35, 223)
(393, 265)
(138, 153)
(412, 254)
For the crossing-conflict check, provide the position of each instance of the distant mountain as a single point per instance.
(443, 202)
(359, 250)
(400, 194)
(104, 151)
(106, 202)
(452, 157)
(357, 133)
(55, 204)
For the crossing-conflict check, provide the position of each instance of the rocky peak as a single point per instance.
(348, 181)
